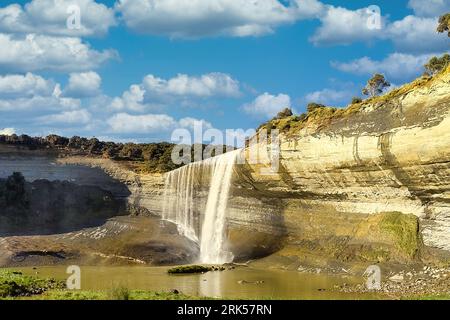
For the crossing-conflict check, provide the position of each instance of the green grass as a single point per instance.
(108, 295)
(15, 284)
(428, 297)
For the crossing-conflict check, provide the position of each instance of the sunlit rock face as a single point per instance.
(392, 156)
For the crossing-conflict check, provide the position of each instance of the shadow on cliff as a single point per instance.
(45, 207)
(251, 235)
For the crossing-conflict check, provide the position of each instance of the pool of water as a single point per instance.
(239, 283)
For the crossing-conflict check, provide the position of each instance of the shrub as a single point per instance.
(119, 293)
(286, 112)
(314, 106)
(356, 100)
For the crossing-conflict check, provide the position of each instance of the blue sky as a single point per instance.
(136, 70)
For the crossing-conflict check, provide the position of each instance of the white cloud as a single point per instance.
(416, 35)
(39, 104)
(396, 65)
(344, 26)
(154, 92)
(7, 131)
(28, 85)
(190, 123)
(199, 18)
(78, 117)
(124, 123)
(50, 17)
(81, 85)
(329, 96)
(207, 85)
(429, 8)
(32, 93)
(267, 105)
(40, 52)
(149, 123)
(411, 34)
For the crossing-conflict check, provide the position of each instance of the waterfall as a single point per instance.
(182, 204)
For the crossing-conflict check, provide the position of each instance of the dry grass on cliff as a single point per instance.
(323, 116)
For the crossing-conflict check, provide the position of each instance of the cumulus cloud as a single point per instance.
(267, 105)
(50, 17)
(82, 85)
(148, 123)
(40, 52)
(155, 92)
(200, 18)
(7, 131)
(330, 96)
(396, 65)
(343, 26)
(124, 123)
(28, 85)
(191, 123)
(68, 117)
(211, 84)
(412, 34)
(416, 35)
(429, 8)
(31, 92)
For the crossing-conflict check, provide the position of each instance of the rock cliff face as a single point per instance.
(368, 184)
(392, 155)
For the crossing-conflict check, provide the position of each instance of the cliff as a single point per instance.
(346, 174)
(368, 183)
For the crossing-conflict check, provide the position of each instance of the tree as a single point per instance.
(286, 112)
(436, 65)
(15, 189)
(376, 85)
(444, 24)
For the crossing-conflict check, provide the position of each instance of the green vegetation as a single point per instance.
(319, 116)
(145, 157)
(356, 100)
(189, 269)
(119, 293)
(404, 229)
(286, 112)
(437, 64)
(444, 24)
(428, 297)
(105, 295)
(376, 85)
(15, 284)
(13, 193)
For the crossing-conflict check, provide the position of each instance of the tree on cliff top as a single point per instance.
(375, 85)
(444, 24)
(436, 65)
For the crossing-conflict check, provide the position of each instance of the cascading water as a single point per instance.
(180, 206)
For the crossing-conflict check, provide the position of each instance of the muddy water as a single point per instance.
(240, 283)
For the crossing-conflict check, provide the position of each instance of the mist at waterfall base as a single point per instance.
(181, 207)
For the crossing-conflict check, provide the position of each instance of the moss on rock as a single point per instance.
(404, 229)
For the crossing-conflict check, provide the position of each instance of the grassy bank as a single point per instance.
(17, 286)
